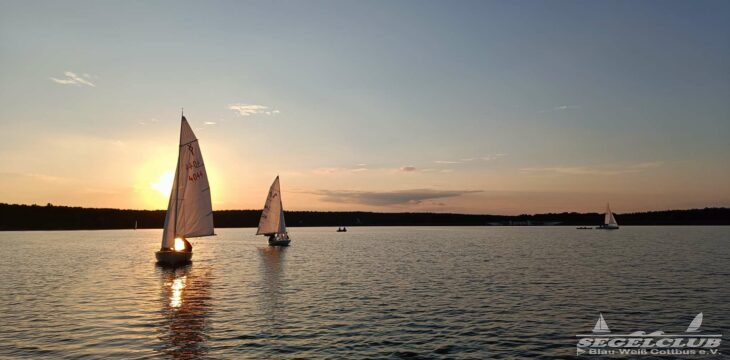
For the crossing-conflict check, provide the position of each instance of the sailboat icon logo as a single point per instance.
(601, 326)
(694, 326)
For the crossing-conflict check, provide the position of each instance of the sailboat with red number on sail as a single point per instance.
(189, 211)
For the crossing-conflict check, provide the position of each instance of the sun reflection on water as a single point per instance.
(184, 305)
(177, 286)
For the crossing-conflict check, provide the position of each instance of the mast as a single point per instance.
(177, 174)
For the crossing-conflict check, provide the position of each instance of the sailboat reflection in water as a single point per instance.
(185, 311)
(272, 281)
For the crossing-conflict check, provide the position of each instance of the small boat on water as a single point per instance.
(342, 229)
(609, 221)
(189, 211)
(584, 228)
(272, 222)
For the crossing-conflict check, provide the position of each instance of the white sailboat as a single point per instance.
(189, 212)
(609, 221)
(272, 222)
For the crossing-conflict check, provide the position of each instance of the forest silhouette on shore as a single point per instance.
(50, 217)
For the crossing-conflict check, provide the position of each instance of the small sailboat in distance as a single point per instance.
(609, 221)
(272, 222)
(189, 212)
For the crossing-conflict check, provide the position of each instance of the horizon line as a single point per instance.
(385, 212)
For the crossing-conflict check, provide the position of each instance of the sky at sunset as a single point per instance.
(496, 107)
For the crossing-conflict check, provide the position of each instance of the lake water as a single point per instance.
(383, 292)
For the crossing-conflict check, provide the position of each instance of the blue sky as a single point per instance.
(468, 106)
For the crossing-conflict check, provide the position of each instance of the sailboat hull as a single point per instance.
(280, 242)
(173, 258)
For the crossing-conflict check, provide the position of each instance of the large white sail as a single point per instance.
(272, 217)
(609, 218)
(189, 211)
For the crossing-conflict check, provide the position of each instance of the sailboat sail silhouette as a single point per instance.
(694, 326)
(601, 326)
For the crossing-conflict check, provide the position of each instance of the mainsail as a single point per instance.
(609, 219)
(189, 212)
(272, 217)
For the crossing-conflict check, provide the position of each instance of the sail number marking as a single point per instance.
(197, 170)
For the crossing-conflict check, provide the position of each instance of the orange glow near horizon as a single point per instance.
(142, 174)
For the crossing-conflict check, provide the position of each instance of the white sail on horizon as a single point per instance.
(272, 216)
(609, 219)
(189, 211)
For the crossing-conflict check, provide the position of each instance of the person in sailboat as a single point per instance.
(182, 246)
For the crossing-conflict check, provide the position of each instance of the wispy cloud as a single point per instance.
(210, 123)
(407, 168)
(72, 79)
(470, 159)
(595, 170)
(150, 121)
(387, 198)
(493, 157)
(337, 170)
(648, 165)
(326, 171)
(560, 108)
(250, 109)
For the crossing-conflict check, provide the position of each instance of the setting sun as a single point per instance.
(164, 183)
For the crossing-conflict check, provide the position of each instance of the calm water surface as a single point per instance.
(444, 292)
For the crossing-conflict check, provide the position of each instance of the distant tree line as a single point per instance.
(49, 217)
